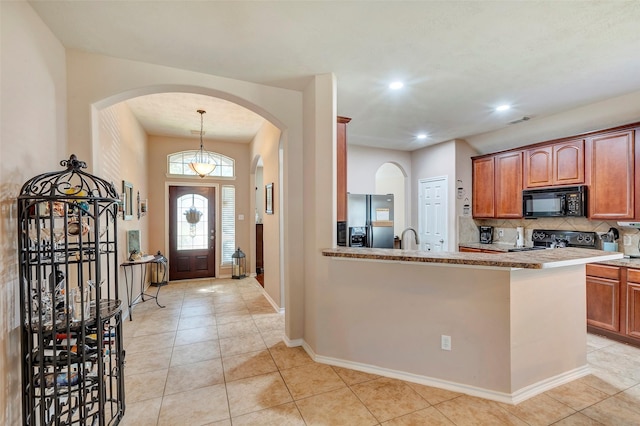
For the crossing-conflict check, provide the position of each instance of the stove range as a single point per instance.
(544, 238)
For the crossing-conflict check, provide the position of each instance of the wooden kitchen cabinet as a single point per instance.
(604, 161)
(341, 168)
(508, 185)
(633, 303)
(538, 167)
(603, 297)
(497, 186)
(613, 302)
(483, 205)
(556, 164)
(611, 175)
(259, 249)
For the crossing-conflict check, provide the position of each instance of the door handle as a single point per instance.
(441, 241)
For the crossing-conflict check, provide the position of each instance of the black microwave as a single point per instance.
(567, 201)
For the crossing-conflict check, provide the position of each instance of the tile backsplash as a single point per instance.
(468, 230)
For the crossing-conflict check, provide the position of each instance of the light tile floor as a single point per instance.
(215, 356)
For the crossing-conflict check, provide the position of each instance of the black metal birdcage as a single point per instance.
(72, 370)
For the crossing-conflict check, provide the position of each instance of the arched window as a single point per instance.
(178, 164)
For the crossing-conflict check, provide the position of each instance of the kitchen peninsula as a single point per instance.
(499, 326)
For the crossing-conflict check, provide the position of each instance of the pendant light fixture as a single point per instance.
(202, 164)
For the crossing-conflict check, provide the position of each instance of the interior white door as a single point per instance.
(433, 214)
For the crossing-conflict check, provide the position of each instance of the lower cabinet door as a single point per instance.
(633, 309)
(603, 303)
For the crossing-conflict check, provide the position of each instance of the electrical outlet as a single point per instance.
(500, 232)
(627, 240)
(445, 342)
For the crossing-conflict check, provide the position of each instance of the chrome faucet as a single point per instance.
(415, 234)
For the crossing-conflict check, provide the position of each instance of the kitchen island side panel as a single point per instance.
(392, 315)
(548, 326)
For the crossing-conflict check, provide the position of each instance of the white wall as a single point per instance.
(32, 141)
(266, 145)
(464, 177)
(600, 115)
(363, 162)
(433, 161)
(319, 203)
(122, 143)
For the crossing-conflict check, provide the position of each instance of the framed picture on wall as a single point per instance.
(133, 241)
(268, 197)
(127, 190)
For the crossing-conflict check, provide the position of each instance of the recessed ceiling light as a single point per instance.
(421, 136)
(396, 85)
(503, 108)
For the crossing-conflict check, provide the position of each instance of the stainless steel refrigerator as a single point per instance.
(370, 220)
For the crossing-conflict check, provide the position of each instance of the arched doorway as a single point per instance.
(97, 81)
(244, 214)
(390, 179)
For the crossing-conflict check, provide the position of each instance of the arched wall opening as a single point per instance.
(304, 118)
(245, 218)
(391, 179)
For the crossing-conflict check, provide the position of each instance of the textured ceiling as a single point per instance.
(459, 59)
(175, 114)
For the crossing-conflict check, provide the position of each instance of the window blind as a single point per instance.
(228, 223)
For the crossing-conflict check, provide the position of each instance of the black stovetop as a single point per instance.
(557, 238)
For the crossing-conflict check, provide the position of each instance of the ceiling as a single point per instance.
(458, 59)
(176, 114)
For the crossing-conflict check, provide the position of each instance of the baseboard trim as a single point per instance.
(293, 343)
(271, 301)
(512, 398)
(550, 383)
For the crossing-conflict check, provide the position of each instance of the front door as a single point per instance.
(433, 214)
(192, 232)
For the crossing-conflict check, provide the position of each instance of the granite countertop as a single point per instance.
(625, 262)
(535, 259)
(504, 247)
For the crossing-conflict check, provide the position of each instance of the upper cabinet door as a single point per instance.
(568, 163)
(483, 187)
(558, 164)
(538, 167)
(508, 187)
(611, 183)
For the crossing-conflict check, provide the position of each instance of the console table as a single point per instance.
(156, 261)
